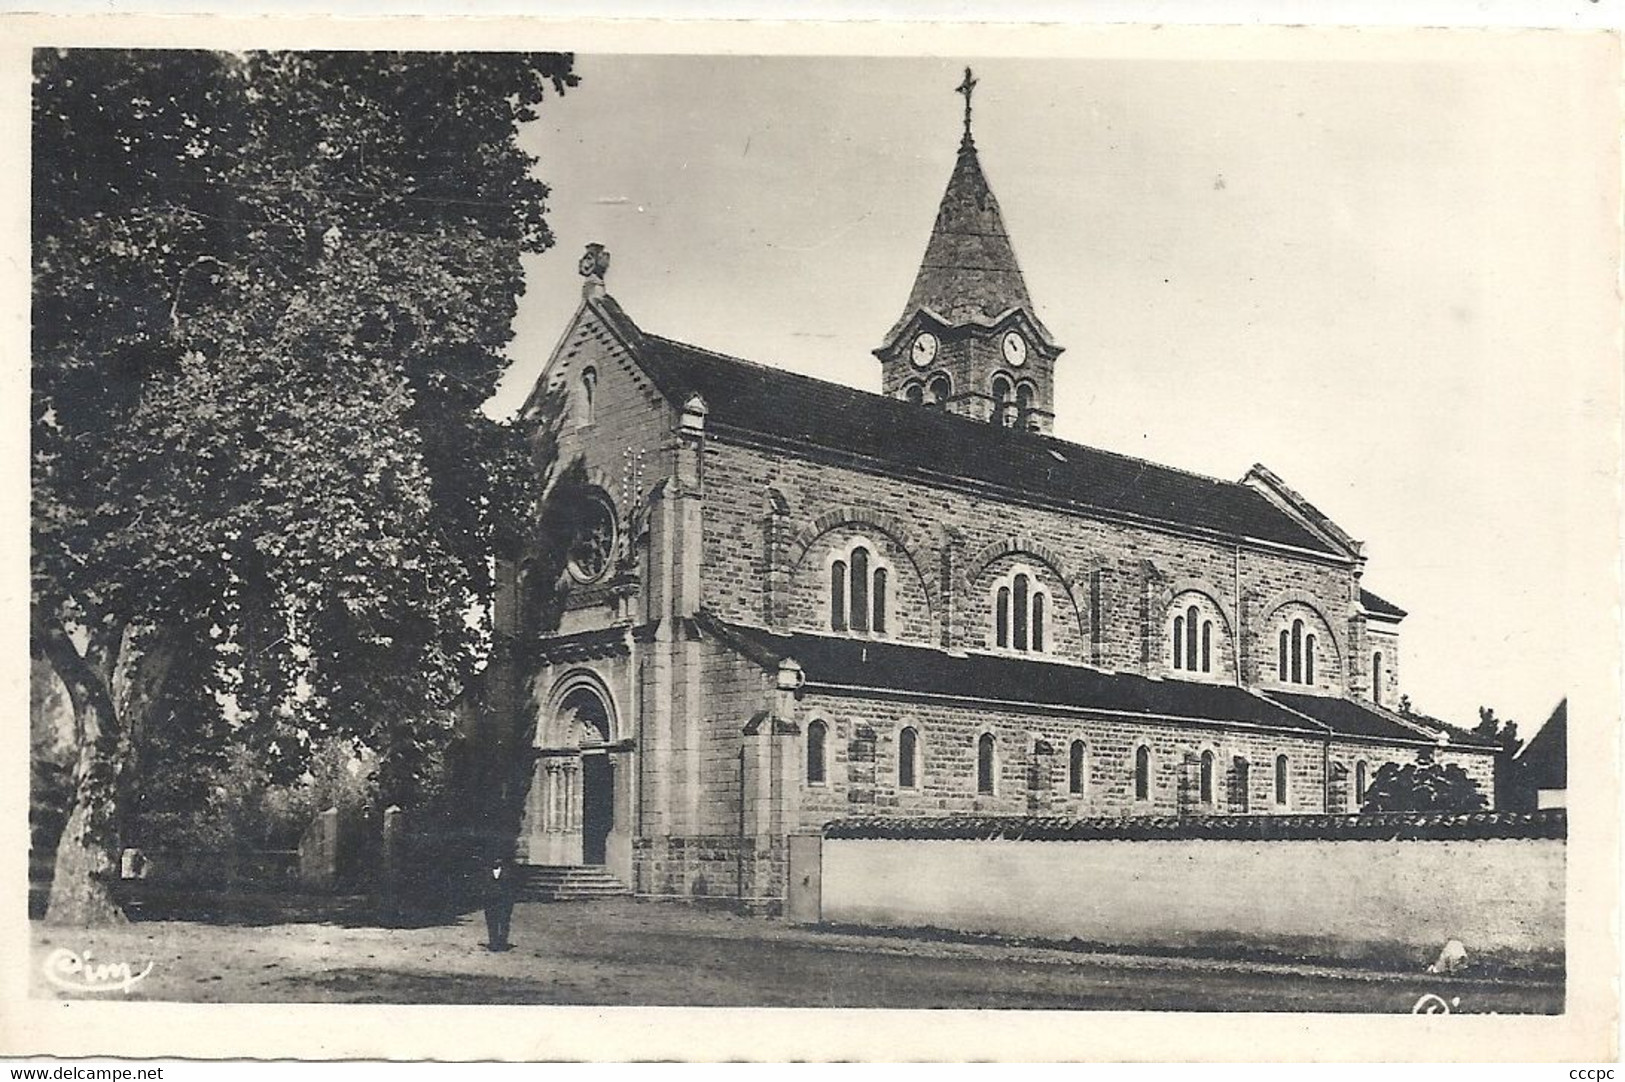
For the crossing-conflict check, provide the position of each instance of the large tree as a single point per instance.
(271, 293)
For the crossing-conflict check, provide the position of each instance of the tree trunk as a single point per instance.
(87, 856)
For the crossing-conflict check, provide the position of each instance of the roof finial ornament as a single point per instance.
(594, 266)
(967, 87)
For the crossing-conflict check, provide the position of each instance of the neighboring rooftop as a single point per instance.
(1351, 717)
(1376, 606)
(1544, 762)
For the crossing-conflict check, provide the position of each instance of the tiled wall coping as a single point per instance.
(1551, 823)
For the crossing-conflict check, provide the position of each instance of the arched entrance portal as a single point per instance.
(578, 809)
(590, 720)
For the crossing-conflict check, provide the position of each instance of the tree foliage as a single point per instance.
(1504, 732)
(1423, 786)
(271, 293)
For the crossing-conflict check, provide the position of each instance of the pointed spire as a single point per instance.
(969, 273)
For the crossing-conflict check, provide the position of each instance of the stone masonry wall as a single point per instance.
(1382, 639)
(1122, 580)
(863, 769)
(625, 448)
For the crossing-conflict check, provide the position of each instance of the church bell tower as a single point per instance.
(969, 340)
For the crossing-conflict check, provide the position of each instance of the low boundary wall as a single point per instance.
(1390, 888)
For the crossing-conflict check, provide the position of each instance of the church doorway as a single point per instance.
(597, 806)
(580, 806)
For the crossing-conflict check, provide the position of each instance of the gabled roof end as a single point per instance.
(1266, 481)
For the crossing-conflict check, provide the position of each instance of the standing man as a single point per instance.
(499, 894)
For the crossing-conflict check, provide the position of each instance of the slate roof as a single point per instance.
(865, 663)
(1378, 606)
(798, 411)
(969, 273)
(1544, 762)
(1353, 718)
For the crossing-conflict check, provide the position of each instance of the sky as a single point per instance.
(1374, 271)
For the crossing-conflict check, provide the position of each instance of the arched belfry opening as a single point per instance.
(578, 809)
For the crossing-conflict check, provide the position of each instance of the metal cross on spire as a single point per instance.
(967, 87)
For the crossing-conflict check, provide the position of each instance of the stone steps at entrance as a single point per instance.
(567, 882)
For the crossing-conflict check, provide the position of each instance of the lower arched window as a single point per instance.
(1204, 787)
(908, 758)
(817, 766)
(1280, 780)
(1361, 779)
(1142, 773)
(1077, 768)
(984, 763)
(1241, 782)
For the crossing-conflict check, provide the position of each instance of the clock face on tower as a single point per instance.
(925, 348)
(1015, 349)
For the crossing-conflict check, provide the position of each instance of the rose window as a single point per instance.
(593, 546)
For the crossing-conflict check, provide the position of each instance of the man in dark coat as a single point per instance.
(498, 888)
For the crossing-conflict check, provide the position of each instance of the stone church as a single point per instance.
(788, 602)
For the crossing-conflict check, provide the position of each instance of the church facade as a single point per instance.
(787, 602)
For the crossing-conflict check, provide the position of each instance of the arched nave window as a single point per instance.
(858, 588)
(1020, 612)
(1296, 660)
